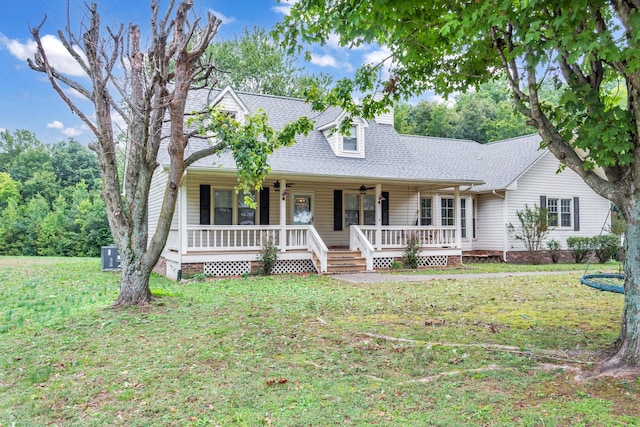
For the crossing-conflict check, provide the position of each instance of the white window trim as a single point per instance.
(235, 199)
(293, 204)
(558, 214)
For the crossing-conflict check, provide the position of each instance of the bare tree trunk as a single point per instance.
(627, 346)
(134, 283)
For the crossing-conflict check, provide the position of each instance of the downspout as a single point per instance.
(504, 220)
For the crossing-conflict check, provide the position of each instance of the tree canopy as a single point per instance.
(52, 205)
(485, 115)
(586, 49)
(252, 62)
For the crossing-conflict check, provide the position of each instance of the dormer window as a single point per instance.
(350, 143)
(343, 144)
(231, 114)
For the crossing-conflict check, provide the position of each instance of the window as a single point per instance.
(559, 211)
(426, 217)
(463, 218)
(223, 207)
(447, 213)
(351, 209)
(552, 212)
(358, 206)
(246, 214)
(565, 213)
(369, 209)
(350, 143)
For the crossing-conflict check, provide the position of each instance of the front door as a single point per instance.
(302, 213)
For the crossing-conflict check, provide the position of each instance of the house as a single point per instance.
(344, 203)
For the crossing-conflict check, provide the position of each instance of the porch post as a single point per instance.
(378, 217)
(182, 216)
(283, 215)
(456, 206)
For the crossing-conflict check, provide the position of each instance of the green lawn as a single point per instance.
(304, 350)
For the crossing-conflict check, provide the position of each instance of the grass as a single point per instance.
(303, 350)
(491, 267)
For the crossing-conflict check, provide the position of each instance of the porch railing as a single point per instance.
(395, 237)
(359, 242)
(210, 238)
(246, 237)
(317, 246)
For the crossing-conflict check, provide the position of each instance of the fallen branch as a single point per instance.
(558, 355)
(460, 372)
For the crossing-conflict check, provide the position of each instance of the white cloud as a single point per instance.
(377, 56)
(2, 130)
(58, 56)
(71, 132)
(284, 6)
(225, 19)
(333, 42)
(324, 60)
(55, 125)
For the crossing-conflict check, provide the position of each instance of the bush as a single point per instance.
(268, 255)
(606, 247)
(580, 248)
(533, 228)
(554, 250)
(411, 251)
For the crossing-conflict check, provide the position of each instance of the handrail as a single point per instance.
(359, 242)
(317, 246)
(395, 237)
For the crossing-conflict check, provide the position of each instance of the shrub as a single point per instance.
(268, 255)
(396, 265)
(533, 228)
(606, 247)
(554, 250)
(580, 248)
(411, 251)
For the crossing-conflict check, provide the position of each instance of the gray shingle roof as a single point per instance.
(388, 155)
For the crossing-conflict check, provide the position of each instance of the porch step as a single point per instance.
(345, 262)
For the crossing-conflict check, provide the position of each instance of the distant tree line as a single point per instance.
(484, 115)
(50, 198)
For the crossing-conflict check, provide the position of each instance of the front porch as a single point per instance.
(233, 250)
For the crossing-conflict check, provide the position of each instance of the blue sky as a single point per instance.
(27, 100)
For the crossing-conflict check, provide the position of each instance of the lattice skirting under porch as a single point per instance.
(227, 268)
(285, 266)
(423, 261)
(238, 268)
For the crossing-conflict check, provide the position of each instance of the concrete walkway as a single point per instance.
(386, 277)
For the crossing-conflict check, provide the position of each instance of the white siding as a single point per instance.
(403, 204)
(229, 103)
(491, 225)
(542, 180)
(156, 194)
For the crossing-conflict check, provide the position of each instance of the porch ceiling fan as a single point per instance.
(276, 185)
(363, 189)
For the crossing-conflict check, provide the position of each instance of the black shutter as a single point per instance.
(543, 202)
(385, 208)
(205, 204)
(576, 214)
(337, 210)
(264, 206)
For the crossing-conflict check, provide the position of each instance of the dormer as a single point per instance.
(229, 102)
(352, 145)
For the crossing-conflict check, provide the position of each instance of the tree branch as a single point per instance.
(201, 154)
